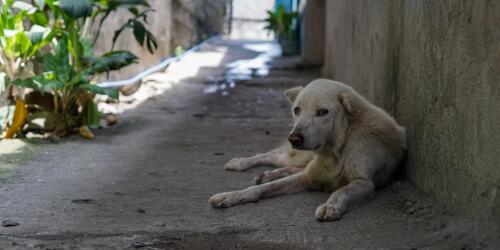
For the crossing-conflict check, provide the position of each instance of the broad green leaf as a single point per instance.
(8, 2)
(58, 62)
(151, 42)
(134, 10)
(39, 83)
(139, 32)
(132, 2)
(39, 18)
(113, 4)
(75, 47)
(47, 39)
(76, 8)
(111, 61)
(18, 45)
(111, 92)
(88, 50)
(142, 35)
(17, 22)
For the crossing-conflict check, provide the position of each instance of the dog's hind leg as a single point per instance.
(279, 173)
(290, 184)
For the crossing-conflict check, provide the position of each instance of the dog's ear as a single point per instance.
(293, 93)
(346, 99)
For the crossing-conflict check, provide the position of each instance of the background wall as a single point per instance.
(194, 20)
(247, 21)
(174, 23)
(160, 24)
(435, 65)
(312, 26)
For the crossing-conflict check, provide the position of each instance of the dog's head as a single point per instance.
(320, 113)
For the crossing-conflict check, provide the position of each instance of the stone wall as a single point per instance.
(435, 65)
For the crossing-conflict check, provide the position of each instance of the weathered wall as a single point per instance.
(194, 20)
(436, 66)
(312, 31)
(174, 23)
(248, 19)
(359, 47)
(159, 24)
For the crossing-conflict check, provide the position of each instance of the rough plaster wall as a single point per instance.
(183, 23)
(449, 99)
(436, 66)
(211, 17)
(194, 20)
(248, 19)
(313, 31)
(174, 23)
(159, 24)
(358, 47)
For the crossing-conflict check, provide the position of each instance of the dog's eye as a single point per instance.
(322, 112)
(296, 110)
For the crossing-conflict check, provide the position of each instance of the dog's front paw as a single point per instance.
(328, 212)
(236, 164)
(224, 200)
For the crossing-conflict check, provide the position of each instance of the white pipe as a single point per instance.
(155, 68)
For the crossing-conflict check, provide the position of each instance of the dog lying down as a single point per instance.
(340, 143)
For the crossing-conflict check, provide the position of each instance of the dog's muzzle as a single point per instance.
(296, 139)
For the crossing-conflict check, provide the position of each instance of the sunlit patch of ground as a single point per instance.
(195, 65)
(158, 83)
(16, 151)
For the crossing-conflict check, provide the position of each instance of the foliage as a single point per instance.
(281, 22)
(54, 54)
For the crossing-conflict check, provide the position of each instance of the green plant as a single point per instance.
(55, 58)
(19, 46)
(144, 37)
(281, 22)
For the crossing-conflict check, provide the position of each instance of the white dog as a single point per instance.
(340, 143)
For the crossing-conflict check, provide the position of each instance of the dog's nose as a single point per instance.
(296, 139)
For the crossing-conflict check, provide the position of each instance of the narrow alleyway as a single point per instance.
(145, 182)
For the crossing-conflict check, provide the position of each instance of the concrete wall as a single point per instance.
(435, 65)
(174, 23)
(248, 19)
(312, 31)
(160, 24)
(194, 20)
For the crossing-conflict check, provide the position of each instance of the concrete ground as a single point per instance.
(144, 183)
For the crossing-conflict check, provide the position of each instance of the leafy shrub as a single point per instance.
(281, 22)
(54, 58)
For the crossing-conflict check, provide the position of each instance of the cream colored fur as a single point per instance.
(349, 148)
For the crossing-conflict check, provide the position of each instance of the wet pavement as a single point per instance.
(144, 183)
